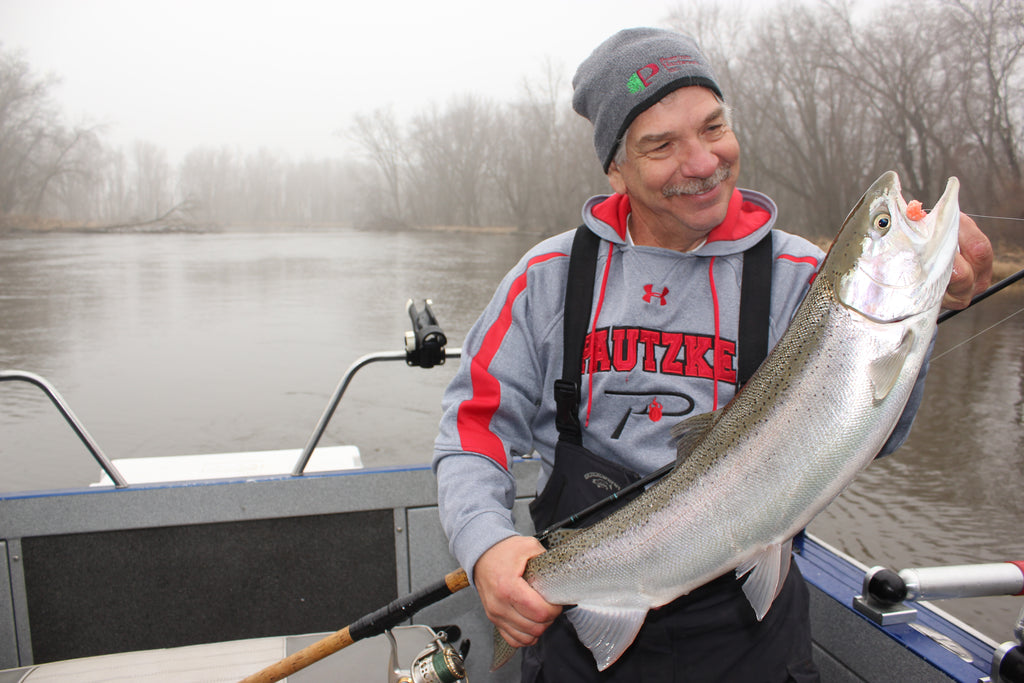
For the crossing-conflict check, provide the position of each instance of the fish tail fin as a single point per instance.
(768, 571)
(502, 652)
(606, 631)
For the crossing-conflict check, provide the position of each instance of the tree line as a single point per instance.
(827, 96)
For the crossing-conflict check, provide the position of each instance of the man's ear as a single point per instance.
(615, 178)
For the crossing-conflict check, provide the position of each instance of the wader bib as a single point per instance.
(711, 634)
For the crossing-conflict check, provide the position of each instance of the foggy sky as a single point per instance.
(289, 75)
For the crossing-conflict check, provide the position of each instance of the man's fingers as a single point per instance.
(516, 609)
(972, 266)
(960, 289)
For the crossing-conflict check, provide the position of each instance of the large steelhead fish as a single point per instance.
(753, 474)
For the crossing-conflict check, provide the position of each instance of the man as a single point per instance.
(662, 343)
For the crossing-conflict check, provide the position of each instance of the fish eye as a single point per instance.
(882, 222)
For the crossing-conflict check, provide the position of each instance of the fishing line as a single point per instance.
(969, 339)
(995, 218)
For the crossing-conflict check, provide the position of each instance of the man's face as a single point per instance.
(681, 164)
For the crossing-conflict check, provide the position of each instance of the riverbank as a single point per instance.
(1009, 258)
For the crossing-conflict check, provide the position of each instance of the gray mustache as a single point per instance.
(699, 185)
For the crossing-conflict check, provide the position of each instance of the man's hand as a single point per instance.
(972, 266)
(519, 612)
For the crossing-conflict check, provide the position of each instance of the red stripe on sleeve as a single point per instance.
(803, 259)
(800, 259)
(475, 413)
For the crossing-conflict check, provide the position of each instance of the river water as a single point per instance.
(183, 344)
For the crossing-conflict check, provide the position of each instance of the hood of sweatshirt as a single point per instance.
(750, 215)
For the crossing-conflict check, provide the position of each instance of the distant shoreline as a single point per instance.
(1008, 259)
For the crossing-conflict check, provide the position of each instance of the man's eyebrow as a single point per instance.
(650, 138)
(655, 137)
(718, 113)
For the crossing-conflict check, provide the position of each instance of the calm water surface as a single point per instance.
(182, 344)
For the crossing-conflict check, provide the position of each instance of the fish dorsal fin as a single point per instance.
(606, 631)
(885, 370)
(692, 431)
(768, 570)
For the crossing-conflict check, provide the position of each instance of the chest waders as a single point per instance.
(710, 634)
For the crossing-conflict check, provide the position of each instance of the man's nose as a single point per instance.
(696, 159)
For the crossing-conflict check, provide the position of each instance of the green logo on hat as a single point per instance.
(635, 84)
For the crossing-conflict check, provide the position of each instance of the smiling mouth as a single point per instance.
(699, 186)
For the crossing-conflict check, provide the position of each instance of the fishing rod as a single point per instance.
(372, 624)
(403, 608)
(999, 286)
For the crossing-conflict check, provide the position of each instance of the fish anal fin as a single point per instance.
(502, 651)
(692, 431)
(606, 631)
(768, 571)
(885, 370)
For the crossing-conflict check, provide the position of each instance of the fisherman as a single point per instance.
(664, 342)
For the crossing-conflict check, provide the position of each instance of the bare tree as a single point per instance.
(152, 188)
(212, 180)
(829, 95)
(528, 159)
(806, 136)
(380, 137)
(452, 150)
(988, 59)
(37, 151)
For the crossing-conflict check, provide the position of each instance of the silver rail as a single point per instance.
(332, 405)
(885, 591)
(70, 418)
(963, 581)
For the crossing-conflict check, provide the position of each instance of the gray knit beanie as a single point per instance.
(628, 73)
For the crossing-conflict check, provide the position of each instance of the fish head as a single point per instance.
(888, 266)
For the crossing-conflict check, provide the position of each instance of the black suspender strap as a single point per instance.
(579, 295)
(755, 308)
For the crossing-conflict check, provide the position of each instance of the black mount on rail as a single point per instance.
(425, 342)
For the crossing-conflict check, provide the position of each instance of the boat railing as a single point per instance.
(69, 417)
(425, 347)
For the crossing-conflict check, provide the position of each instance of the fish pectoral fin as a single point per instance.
(606, 631)
(768, 571)
(692, 431)
(885, 370)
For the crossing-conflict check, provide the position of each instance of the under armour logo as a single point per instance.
(651, 294)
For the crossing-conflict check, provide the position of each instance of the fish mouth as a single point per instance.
(904, 263)
(927, 235)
